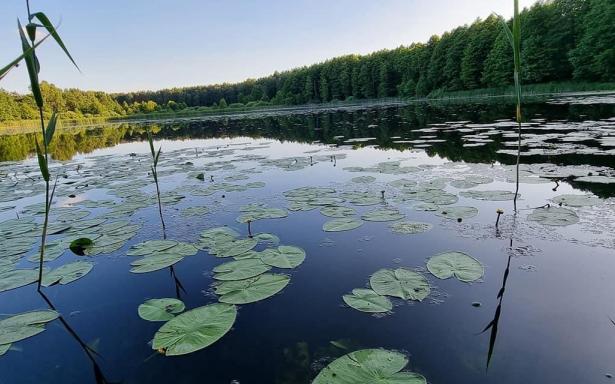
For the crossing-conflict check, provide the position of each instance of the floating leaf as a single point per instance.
(17, 278)
(338, 225)
(4, 348)
(554, 216)
(25, 325)
(160, 309)
(489, 195)
(154, 263)
(457, 212)
(363, 179)
(67, 273)
(410, 227)
(240, 269)
(283, 257)
(369, 366)
(233, 248)
(150, 247)
(81, 245)
(382, 215)
(576, 200)
(366, 300)
(463, 267)
(251, 290)
(338, 211)
(195, 329)
(402, 283)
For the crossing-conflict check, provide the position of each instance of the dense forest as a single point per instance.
(563, 40)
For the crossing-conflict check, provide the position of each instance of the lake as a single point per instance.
(321, 202)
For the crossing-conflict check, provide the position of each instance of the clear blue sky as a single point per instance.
(124, 45)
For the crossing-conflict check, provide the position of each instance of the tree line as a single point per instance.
(563, 40)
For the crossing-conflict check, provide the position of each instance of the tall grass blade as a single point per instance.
(32, 66)
(42, 161)
(6, 69)
(53, 32)
(51, 128)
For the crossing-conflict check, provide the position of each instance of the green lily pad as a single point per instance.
(233, 248)
(363, 179)
(554, 216)
(369, 366)
(382, 215)
(455, 264)
(338, 211)
(67, 273)
(17, 278)
(240, 269)
(160, 309)
(338, 225)
(253, 213)
(4, 348)
(402, 283)
(366, 300)
(251, 290)
(283, 257)
(25, 325)
(489, 195)
(410, 227)
(154, 263)
(195, 211)
(457, 212)
(81, 245)
(151, 247)
(195, 329)
(218, 235)
(576, 200)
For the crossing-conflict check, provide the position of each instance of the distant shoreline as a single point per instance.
(533, 92)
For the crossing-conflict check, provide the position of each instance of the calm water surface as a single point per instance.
(554, 323)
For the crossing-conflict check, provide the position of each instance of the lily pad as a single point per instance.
(233, 248)
(160, 309)
(25, 325)
(339, 225)
(154, 263)
(383, 215)
(284, 256)
(363, 179)
(67, 273)
(554, 216)
(338, 211)
(369, 366)
(457, 212)
(251, 290)
(576, 200)
(240, 269)
(17, 278)
(366, 300)
(410, 227)
(151, 247)
(81, 245)
(455, 264)
(489, 195)
(195, 329)
(402, 283)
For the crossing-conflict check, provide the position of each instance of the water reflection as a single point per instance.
(91, 353)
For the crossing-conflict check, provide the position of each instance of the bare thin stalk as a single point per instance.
(159, 202)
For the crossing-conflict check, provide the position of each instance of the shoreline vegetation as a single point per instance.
(534, 92)
(567, 46)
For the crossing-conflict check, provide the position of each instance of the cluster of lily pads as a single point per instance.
(243, 280)
(409, 284)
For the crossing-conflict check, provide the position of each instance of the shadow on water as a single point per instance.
(494, 323)
(91, 354)
(179, 287)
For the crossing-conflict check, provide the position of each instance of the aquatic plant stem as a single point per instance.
(47, 204)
